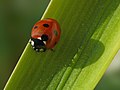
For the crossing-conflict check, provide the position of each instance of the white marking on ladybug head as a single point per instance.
(39, 38)
(32, 43)
(44, 42)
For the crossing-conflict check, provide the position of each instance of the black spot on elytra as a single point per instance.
(46, 25)
(35, 27)
(44, 37)
(55, 32)
(55, 43)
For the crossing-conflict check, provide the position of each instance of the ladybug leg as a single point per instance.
(52, 50)
(42, 49)
(36, 49)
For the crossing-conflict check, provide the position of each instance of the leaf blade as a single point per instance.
(87, 39)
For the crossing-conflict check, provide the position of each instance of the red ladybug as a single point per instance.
(45, 34)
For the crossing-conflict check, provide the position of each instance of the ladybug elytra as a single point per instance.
(45, 35)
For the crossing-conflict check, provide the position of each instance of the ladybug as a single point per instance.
(45, 35)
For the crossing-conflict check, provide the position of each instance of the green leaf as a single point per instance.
(90, 39)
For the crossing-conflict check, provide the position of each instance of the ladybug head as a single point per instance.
(39, 44)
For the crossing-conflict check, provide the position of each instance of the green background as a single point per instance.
(16, 20)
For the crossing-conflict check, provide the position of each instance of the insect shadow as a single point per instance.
(86, 56)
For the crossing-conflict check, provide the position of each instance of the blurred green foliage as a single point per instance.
(111, 79)
(16, 20)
